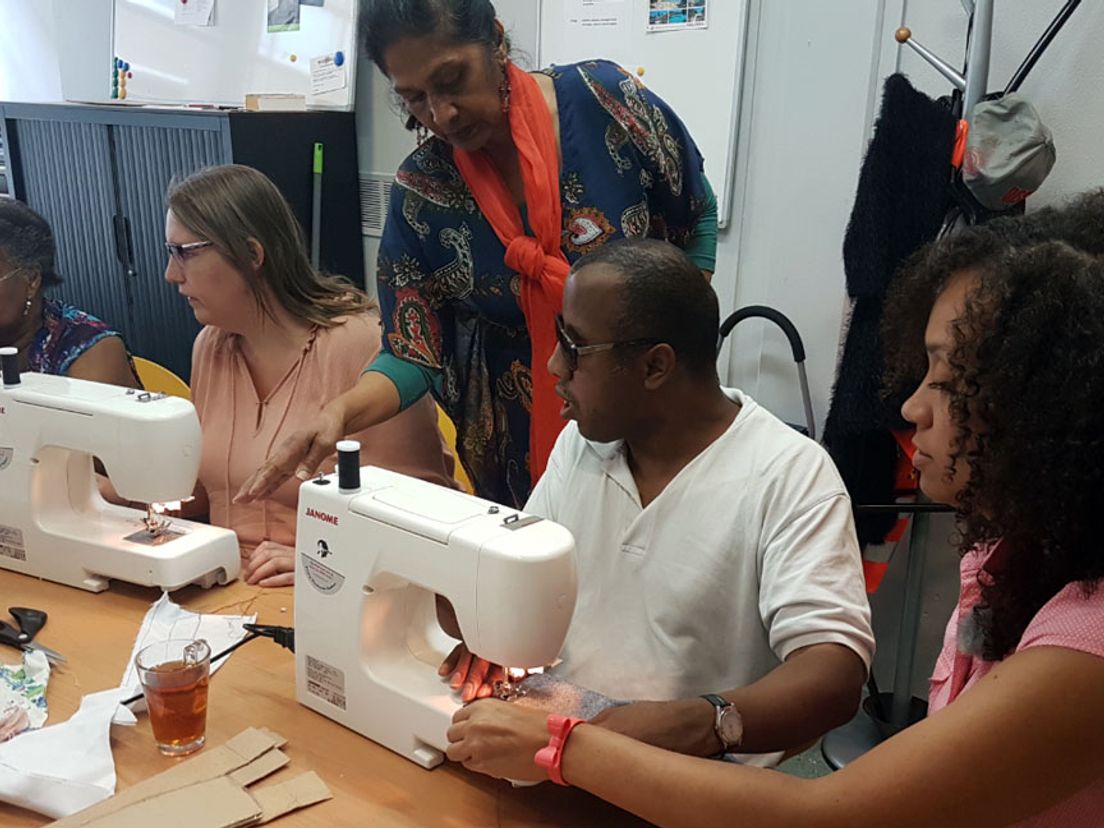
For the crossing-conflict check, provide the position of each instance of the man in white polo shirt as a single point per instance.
(719, 573)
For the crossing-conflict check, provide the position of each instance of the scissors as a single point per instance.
(30, 622)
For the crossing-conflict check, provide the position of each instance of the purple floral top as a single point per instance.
(66, 333)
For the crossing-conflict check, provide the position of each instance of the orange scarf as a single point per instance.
(540, 261)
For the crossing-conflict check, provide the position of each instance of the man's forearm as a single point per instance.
(816, 689)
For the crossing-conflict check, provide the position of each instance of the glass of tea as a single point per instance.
(174, 676)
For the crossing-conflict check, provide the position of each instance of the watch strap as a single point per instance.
(719, 702)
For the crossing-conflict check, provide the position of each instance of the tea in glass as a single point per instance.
(174, 676)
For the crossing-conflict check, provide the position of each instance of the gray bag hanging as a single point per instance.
(1009, 152)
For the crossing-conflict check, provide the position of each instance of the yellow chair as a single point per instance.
(448, 431)
(159, 379)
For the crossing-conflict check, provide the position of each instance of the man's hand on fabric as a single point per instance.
(473, 676)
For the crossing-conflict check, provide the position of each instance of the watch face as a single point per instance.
(731, 726)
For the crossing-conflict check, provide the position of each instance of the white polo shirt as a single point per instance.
(748, 554)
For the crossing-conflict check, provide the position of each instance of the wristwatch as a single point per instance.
(727, 723)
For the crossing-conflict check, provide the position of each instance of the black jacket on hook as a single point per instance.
(902, 198)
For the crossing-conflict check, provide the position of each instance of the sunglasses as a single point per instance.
(181, 253)
(572, 352)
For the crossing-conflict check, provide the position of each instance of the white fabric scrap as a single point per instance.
(66, 767)
(166, 620)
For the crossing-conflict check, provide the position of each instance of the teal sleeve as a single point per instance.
(702, 247)
(412, 381)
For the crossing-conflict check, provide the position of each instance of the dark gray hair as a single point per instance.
(26, 241)
(664, 298)
(385, 22)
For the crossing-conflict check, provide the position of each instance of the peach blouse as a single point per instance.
(240, 429)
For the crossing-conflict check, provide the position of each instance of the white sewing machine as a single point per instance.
(368, 563)
(53, 522)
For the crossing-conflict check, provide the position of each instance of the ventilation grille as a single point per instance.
(375, 195)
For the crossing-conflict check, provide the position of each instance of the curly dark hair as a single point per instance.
(1026, 396)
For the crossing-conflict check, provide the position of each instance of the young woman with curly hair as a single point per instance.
(999, 331)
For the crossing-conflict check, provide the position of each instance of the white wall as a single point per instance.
(803, 129)
(813, 90)
(29, 68)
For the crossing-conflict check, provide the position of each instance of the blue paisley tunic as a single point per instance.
(452, 322)
(66, 334)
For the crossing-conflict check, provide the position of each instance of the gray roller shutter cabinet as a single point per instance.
(99, 176)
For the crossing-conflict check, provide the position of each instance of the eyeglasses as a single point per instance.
(180, 253)
(11, 273)
(572, 352)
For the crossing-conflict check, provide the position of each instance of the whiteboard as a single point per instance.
(697, 71)
(234, 57)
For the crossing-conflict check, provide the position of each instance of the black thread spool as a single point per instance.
(9, 358)
(348, 465)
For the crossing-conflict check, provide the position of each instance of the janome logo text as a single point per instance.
(325, 517)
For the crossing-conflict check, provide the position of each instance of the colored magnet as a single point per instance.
(339, 58)
(293, 58)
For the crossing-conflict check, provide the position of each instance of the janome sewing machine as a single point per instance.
(373, 548)
(54, 524)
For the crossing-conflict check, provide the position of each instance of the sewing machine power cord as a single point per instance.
(284, 636)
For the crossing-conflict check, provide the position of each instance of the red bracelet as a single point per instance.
(551, 755)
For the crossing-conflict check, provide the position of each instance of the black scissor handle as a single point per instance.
(30, 621)
(10, 635)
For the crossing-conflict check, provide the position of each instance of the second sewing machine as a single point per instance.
(55, 524)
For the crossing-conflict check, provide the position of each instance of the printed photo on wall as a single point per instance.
(673, 15)
(283, 15)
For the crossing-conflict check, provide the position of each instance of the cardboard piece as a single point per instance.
(275, 103)
(259, 768)
(209, 790)
(216, 802)
(277, 800)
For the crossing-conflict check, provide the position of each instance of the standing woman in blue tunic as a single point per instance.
(515, 176)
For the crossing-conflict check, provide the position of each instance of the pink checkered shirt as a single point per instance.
(1068, 620)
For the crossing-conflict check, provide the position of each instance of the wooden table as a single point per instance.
(256, 687)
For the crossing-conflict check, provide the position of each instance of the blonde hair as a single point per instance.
(233, 205)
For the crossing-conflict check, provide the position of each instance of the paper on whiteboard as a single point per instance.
(326, 75)
(283, 16)
(193, 12)
(598, 28)
(676, 15)
(596, 13)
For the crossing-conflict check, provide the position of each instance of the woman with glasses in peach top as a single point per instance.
(280, 341)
